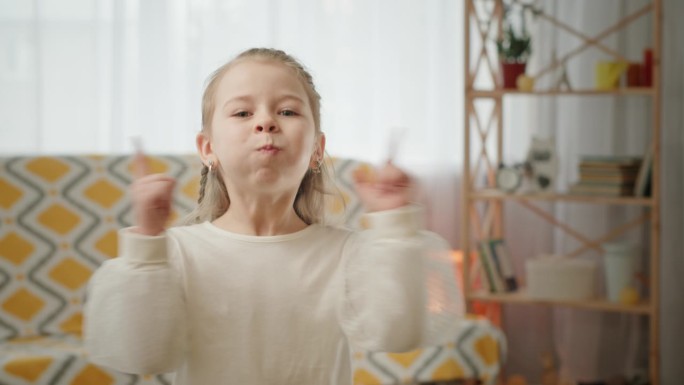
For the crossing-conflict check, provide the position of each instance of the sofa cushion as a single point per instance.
(59, 221)
(477, 351)
(60, 360)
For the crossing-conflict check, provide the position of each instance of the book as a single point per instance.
(494, 280)
(503, 261)
(643, 181)
(603, 173)
(610, 159)
(606, 182)
(603, 190)
(614, 164)
(609, 167)
(609, 171)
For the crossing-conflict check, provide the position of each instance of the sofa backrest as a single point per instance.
(59, 218)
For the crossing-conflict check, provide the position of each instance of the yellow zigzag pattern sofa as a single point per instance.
(58, 221)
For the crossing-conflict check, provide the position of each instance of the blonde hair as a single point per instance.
(214, 199)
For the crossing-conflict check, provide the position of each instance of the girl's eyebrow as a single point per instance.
(242, 98)
(247, 98)
(291, 96)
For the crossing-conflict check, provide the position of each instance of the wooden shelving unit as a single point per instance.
(480, 165)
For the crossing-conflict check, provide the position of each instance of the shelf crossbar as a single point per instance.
(484, 134)
(587, 243)
(588, 42)
(485, 28)
(561, 225)
(612, 234)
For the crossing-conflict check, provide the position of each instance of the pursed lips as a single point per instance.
(269, 149)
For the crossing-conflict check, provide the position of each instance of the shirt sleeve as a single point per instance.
(399, 285)
(135, 309)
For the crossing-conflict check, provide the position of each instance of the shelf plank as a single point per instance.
(646, 91)
(598, 304)
(493, 194)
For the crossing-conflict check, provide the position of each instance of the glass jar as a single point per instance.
(619, 267)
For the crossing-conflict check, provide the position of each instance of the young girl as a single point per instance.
(257, 291)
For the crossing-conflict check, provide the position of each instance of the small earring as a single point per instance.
(211, 166)
(319, 165)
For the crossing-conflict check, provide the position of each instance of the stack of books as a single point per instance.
(607, 176)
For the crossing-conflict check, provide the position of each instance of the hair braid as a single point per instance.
(203, 183)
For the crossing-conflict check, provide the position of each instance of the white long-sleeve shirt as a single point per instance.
(223, 308)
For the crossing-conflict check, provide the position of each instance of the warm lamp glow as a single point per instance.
(457, 259)
(457, 256)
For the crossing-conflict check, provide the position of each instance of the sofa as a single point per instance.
(59, 217)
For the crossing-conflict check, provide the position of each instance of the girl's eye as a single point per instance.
(242, 114)
(288, 113)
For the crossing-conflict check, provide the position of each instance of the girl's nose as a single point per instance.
(266, 127)
(266, 123)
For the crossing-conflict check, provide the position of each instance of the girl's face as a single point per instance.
(262, 131)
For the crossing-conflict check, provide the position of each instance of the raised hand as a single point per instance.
(384, 189)
(152, 195)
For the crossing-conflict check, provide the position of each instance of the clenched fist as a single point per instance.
(384, 189)
(152, 195)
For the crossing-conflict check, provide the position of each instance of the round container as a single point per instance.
(619, 267)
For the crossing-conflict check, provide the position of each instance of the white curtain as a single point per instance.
(83, 76)
(592, 345)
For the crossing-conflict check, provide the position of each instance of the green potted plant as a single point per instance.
(514, 45)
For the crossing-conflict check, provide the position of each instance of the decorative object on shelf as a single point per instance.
(549, 370)
(608, 74)
(515, 178)
(619, 266)
(543, 162)
(525, 83)
(559, 277)
(509, 178)
(634, 72)
(514, 47)
(629, 296)
(647, 74)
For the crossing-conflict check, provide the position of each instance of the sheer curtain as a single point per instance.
(83, 76)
